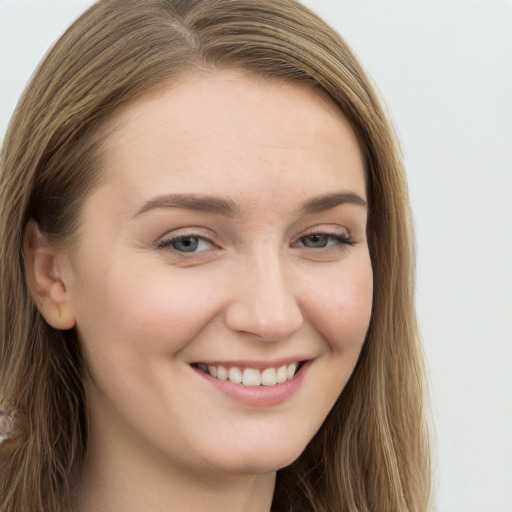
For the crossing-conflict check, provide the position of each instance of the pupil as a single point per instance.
(188, 244)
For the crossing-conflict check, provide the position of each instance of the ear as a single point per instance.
(45, 274)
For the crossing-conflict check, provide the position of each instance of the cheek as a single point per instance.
(141, 313)
(342, 307)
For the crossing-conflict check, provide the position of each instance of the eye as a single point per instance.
(315, 241)
(324, 240)
(186, 243)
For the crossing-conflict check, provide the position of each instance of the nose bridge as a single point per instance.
(264, 302)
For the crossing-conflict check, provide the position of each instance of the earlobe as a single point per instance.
(44, 270)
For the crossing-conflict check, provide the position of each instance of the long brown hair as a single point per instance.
(372, 453)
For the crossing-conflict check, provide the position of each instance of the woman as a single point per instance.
(207, 271)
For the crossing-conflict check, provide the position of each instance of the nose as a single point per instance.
(263, 303)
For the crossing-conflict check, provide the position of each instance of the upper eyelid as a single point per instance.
(322, 229)
(185, 232)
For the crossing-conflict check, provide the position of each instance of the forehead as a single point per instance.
(221, 128)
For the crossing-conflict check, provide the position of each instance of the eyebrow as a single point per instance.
(229, 208)
(326, 202)
(196, 202)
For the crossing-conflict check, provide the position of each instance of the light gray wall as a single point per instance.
(444, 68)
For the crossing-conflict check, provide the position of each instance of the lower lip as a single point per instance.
(259, 396)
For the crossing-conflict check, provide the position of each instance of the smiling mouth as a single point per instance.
(251, 377)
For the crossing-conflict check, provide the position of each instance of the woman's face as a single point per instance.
(227, 241)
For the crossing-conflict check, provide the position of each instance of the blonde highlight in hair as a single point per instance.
(372, 452)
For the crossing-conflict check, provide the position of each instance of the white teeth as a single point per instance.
(251, 377)
(269, 377)
(222, 373)
(281, 374)
(290, 370)
(235, 375)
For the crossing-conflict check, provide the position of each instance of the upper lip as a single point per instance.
(258, 364)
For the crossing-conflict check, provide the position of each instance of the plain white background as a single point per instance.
(444, 69)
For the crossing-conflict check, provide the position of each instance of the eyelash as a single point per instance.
(341, 241)
(167, 243)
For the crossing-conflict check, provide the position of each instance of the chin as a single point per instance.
(259, 459)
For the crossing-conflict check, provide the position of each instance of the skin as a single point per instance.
(259, 288)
